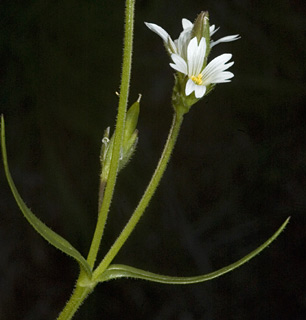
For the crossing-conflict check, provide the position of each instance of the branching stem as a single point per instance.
(159, 171)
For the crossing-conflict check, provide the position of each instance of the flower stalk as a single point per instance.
(147, 196)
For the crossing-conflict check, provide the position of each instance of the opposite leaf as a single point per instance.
(122, 271)
(52, 237)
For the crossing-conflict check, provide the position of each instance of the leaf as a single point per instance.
(52, 237)
(122, 271)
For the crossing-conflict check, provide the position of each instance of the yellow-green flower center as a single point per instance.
(197, 79)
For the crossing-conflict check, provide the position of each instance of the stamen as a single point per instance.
(197, 79)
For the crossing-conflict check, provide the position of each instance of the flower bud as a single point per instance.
(201, 30)
(105, 145)
(128, 150)
(106, 154)
(131, 121)
(129, 142)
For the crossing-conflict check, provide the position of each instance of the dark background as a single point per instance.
(238, 170)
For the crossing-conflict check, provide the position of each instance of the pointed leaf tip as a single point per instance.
(48, 234)
(122, 271)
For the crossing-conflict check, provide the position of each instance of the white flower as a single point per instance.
(190, 57)
(179, 46)
(200, 77)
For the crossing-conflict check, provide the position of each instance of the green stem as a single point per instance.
(78, 296)
(124, 91)
(159, 171)
(101, 193)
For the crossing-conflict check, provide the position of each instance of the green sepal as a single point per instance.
(48, 234)
(180, 102)
(116, 271)
(106, 154)
(129, 142)
(131, 120)
(105, 146)
(201, 30)
(129, 150)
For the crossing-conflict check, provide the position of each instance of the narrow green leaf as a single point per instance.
(52, 237)
(122, 271)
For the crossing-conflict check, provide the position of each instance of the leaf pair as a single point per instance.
(114, 271)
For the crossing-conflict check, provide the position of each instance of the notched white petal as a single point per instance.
(199, 57)
(192, 52)
(215, 70)
(192, 47)
(221, 77)
(218, 63)
(179, 64)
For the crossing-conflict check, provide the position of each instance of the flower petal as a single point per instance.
(186, 24)
(215, 70)
(182, 43)
(218, 63)
(201, 51)
(222, 77)
(199, 91)
(190, 87)
(213, 30)
(164, 35)
(195, 56)
(179, 64)
(158, 30)
(225, 39)
(184, 38)
(191, 53)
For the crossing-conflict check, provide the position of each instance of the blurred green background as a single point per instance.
(238, 170)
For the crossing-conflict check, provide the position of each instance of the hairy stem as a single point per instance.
(159, 171)
(85, 286)
(78, 296)
(124, 92)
